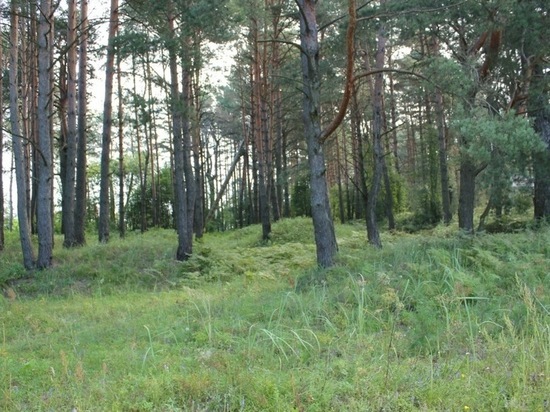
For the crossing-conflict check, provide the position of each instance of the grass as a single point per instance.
(433, 321)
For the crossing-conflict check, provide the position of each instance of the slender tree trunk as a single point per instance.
(12, 167)
(70, 171)
(2, 238)
(541, 111)
(443, 168)
(19, 158)
(261, 138)
(153, 138)
(466, 200)
(31, 83)
(197, 165)
(104, 204)
(62, 110)
(45, 166)
(325, 237)
(142, 173)
(190, 188)
(341, 206)
(358, 154)
(378, 151)
(184, 248)
(81, 163)
(219, 196)
(121, 209)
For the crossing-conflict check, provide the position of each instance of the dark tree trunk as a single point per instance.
(142, 173)
(325, 237)
(378, 151)
(1, 149)
(81, 161)
(45, 166)
(184, 248)
(198, 156)
(149, 127)
(104, 204)
(443, 168)
(541, 113)
(466, 201)
(70, 159)
(17, 138)
(341, 206)
(358, 155)
(191, 190)
(121, 210)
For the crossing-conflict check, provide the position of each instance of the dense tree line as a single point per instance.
(354, 110)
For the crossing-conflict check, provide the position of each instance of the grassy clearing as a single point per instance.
(431, 322)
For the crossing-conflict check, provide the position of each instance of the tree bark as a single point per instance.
(104, 204)
(190, 189)
(373, 233)
(81, 161)
(325, 237)
(17, 138)
(466, 201)
(121, 209)
(443, 168)
(541, 113)
(2, 241)
(45, 166)
(70, 158)
(184, 248)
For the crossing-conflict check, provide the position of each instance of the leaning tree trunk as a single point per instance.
(81, 172)
(104, 205)
(325, 237)
(18, 154)
(45, 168)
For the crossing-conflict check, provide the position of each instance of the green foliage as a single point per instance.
(301, 202)
(164, 198)
(430, 322)
(497, 140)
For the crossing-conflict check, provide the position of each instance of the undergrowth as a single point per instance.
(433, 321)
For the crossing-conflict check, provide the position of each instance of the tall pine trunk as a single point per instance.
(104, 204)
(121, 208)
(17, 138)
(184, 248)
(81, 161)
(1, 148)
(325, 237)
(539, 104)
(45, 168)
(378, 151)
(70, 170)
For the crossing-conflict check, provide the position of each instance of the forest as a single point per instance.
(400, 114)
(274, 205)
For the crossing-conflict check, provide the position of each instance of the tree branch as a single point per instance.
(325, 134)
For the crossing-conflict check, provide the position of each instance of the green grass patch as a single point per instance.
(433, 321)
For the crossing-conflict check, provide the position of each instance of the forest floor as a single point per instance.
(434, 321)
